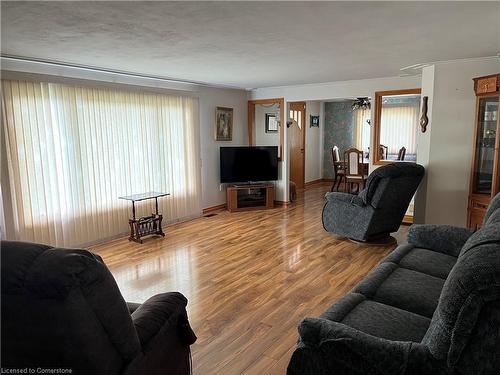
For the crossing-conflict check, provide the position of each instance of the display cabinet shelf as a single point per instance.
(485, 180)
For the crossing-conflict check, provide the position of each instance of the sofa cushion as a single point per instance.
(429, 262)
(404, 289)
(422, 260)
(343, 307)
(446, 239)
(398, 253)
(387, 322)
(393, 285)
(377, 319)
(370, 284)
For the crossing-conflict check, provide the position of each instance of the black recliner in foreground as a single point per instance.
(62, 309)
(379, 209)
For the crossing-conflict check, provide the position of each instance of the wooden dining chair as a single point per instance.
(354, 169)
(402, 153)
(338, 168)
(383, 152)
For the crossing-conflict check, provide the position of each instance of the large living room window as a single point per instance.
(72, 151)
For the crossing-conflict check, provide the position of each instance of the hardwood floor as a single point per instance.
(250, 277)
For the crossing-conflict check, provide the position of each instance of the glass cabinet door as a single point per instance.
(485, 146)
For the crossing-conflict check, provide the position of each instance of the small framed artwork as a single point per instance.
(271, 123)
(314, 122)
(223, 124)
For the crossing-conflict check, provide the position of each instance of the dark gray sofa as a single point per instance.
(432, 306)
(61, 309)
(379, 209)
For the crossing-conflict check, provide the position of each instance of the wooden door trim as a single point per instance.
(376, 120)
(303, 140)
(251, 121)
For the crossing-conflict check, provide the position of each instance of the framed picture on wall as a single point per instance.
(271, 123)
(314, 122)
(223, 124)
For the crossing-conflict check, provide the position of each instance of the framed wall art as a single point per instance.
(223, 124)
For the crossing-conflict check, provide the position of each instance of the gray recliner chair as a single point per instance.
(378, 209)
(61, 309)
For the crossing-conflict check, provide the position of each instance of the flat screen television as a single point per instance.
(248, 164)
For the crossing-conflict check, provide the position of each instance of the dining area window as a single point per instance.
(395, 125)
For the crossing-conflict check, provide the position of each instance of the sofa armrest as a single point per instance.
(344, 197)
(166, 309)
(328, 347)
(446, 239)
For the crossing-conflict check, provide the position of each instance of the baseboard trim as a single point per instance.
(281, 204)
(313, 182)
(213, 208)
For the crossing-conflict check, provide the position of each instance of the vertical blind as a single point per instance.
(398, 127)
(72, 151)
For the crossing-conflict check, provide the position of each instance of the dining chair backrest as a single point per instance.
(335, 154)
(383, 150)
(353, 159)
(402, 153)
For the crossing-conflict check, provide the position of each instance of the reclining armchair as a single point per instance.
(378, 209)
(62, 309)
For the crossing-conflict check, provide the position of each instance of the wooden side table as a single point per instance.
(146, 225)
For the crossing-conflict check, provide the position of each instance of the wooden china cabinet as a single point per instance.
(485, 174)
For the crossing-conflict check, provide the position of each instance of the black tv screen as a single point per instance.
(248, 164)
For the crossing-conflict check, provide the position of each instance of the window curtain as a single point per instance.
(72, 151)
(398, 127)
(362, 136)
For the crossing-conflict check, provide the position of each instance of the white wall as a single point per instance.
(261, 137)
(213, 193)
(424, 145)
(313, 167)
(327, 91)
(449, 137)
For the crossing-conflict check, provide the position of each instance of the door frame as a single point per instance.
(251, 121)
(377, 118)
(303, 143)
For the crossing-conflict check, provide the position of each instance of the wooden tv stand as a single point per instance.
(250, 197)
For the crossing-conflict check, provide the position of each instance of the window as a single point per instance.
(72, 151)
(395, 126)
(362, 136)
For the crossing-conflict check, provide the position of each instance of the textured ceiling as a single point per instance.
(247, 44)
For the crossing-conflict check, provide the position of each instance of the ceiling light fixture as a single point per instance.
(361, 103)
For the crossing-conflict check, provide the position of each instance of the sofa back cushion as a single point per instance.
(494, 206)
(489, 233)
(392, 182)
(62, 308)
(469, 302)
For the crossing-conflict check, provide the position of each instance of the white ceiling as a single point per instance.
(249, 44)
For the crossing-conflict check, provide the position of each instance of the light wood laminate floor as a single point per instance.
(250, 277)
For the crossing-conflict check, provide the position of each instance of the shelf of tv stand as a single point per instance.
(246, 197)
